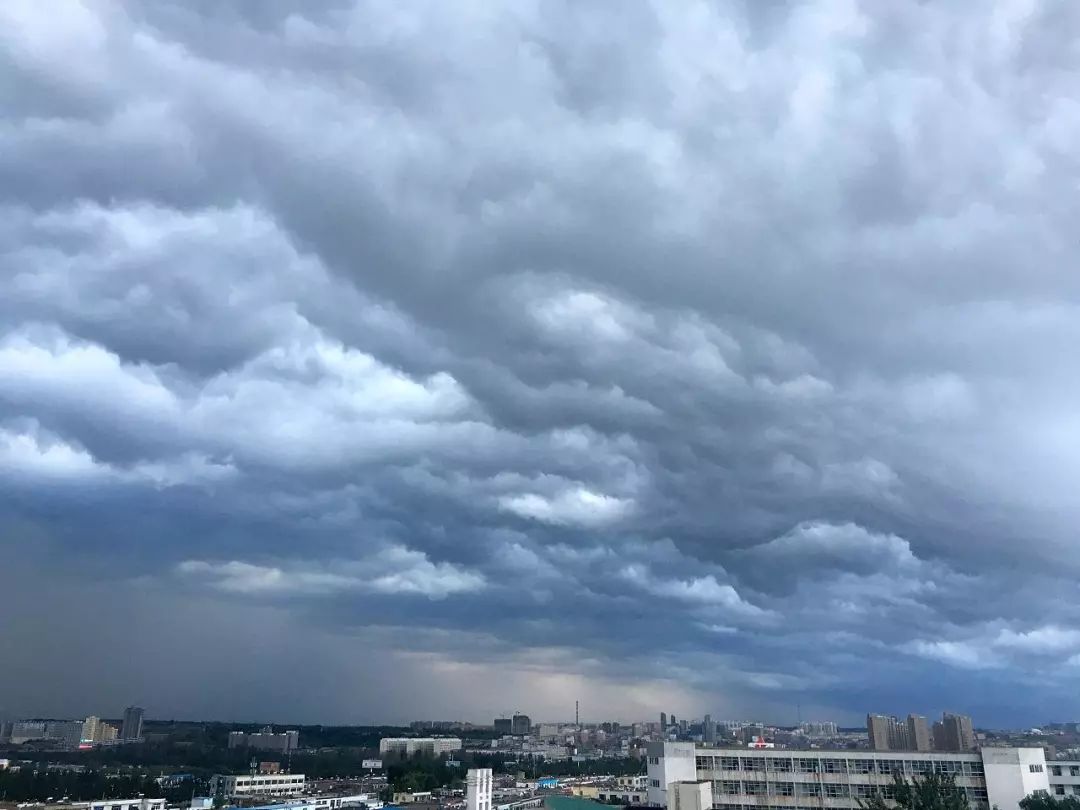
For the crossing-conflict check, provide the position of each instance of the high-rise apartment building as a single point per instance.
(131, 729)
(91, 730)
(889, 733)
(825, 728)
(879, 729)
(663, 721)
(67, 731)
(708, 730)
(520, 724)
(918, 732)
(954, 732)
(504, 725)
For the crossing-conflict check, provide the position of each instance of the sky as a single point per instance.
(376, 361)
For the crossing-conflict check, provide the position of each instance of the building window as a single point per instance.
(809, 789)
(754, 788)
(654, 782)
(1056, 770)
(778, 764)
(752, 764)
(729, 763)
(730, 787)
(782, 788)
(1059, 790)
(1035, 768)
(806, 765)
(863, 791)
(862, 766)
(834, 766)
(835, 791)
(1074, 770)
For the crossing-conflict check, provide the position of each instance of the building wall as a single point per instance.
(695, 795)
(284, 784)
(133, 722)
(668, 762)
(877, 728)
(918, 733)
(478, 785)
(782, 778)
(1013, 773)
(1064, 778)
(431, 746)
(123, 804)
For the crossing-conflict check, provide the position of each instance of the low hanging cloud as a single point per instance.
(392, 571)
(722, 361)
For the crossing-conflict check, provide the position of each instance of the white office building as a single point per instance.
(812, 780)
(478, 788)
(326, 803)
(427, 746)
(270, 784)
(122, 804)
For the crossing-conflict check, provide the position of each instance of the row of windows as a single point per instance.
(1060, 790)
(829, 790)
(734, 805)
(1056, 770)
(845, 766)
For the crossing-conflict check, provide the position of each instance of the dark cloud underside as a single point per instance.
(721, 353)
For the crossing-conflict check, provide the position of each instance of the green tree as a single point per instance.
(935, 791)
(1044, 801)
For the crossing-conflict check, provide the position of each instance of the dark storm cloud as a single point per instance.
(726, 344)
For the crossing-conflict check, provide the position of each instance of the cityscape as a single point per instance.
(539, 404)
(516, 763)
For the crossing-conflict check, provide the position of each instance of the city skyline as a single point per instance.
(362, 360)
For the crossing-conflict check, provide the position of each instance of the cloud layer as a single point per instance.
(699, 357)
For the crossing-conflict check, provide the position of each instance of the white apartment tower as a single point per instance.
(478, 783)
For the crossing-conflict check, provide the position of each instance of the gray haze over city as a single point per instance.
(364, 362)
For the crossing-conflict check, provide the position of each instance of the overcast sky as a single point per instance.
(380, 361)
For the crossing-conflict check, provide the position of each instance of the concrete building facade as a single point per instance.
(478, 788)
(954, 732)
(122, 804)
(918, 732)
(324, 803)
(277, 784)
(266, 740)
(131, 728)
(879, 730)
(426, 746)
(816, 779)
(696, 795)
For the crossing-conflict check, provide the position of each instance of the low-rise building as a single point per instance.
(121, 804)
(798, 779)
(325, 803)
(266, 740)
(426, 746)
(276, 784)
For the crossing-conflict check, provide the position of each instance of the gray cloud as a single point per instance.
(726, 344)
